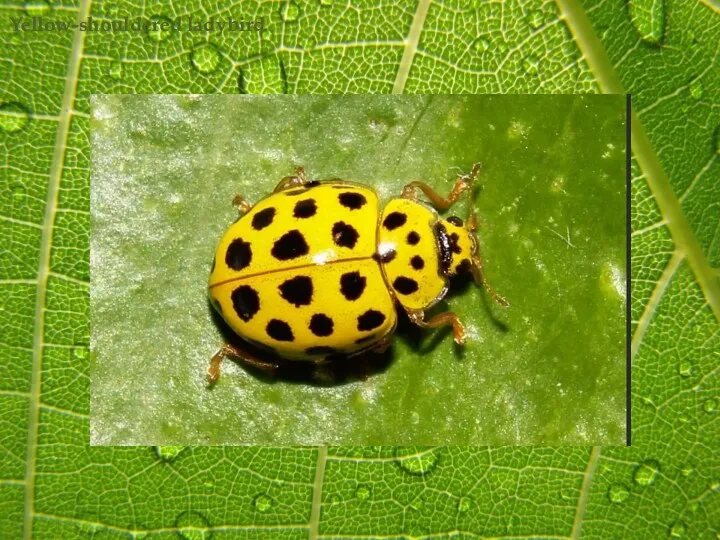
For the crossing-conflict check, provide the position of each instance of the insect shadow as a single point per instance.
(335, 371)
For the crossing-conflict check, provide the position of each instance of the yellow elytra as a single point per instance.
(314, 271)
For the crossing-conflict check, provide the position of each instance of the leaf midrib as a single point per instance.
(55, 175)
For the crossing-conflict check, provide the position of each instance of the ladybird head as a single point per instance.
(460, 253)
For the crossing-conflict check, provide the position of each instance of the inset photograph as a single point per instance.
(358, 270)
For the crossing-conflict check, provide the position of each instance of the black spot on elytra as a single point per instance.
(238, 254)
(455, 221)
(297, 291)
(464, 267)
(216, 305)
(454, 238)
(394, 220)
(319, 349)
(352, 285)
(370, 320)
(413, 238)
(344, 235)
(305, 208)
(417, 262)
(263, 218)
(321, 325)
(352, 200)
(246, 302)
(405, 285)
(290, 245)
(279, 330)
(385, 257)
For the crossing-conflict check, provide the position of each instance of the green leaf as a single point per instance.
(53, 485)
(549, 370)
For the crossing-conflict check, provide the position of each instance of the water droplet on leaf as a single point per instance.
(531, 64)
(115, 70)
(13, 117)
(417, 460)
(685, 368)
(37, 8)
(205, 58)
(290, 11)
(646, 473)
(678, 530)
(648, 18)
(710, 405)
(263, 503)
(696, 89)
(362, 493)
(160, 29)
(618, 493)
(535, 19)
(264, 76)
(168, 453)
(464, 504)
(482, 45)
(193, 525)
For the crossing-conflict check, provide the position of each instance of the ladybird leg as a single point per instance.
(441, 319)
(478, 268)
(462, 185)
(296, 180)
(241, 204)
(231, 351)
(381, 346)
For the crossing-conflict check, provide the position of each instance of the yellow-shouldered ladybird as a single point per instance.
(315, 269)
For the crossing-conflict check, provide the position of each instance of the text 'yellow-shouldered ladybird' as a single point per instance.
(315, 270)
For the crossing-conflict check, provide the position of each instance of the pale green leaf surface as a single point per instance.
(52, 483)
(549, 370)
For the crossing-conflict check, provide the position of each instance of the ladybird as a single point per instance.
(316, 270)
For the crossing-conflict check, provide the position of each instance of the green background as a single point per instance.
(549, 370)
(665, 53)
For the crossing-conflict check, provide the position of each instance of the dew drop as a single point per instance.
(535, 19)
(290, 11)
(678, 530)
(36, 8)
(648, 18)
(710, 405)
(618, 493)
(263, 503)
(81, 353)
(646, 473)
(696, 89)
(464, 504)
(482, 45)
(264, 76)
(205, 58)
(115, 70)
(13, 117)
(193, 525)
(531, 64)
(362, 493)
(685, 368)
(19, 193)
(168, 453)
(417, 460)
(160, 28)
